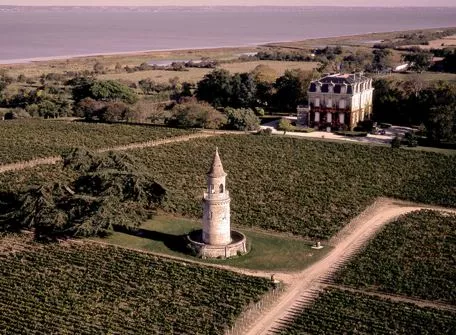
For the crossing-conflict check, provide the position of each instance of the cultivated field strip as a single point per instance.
(395, 297)
(140, 145)
(87, 288)
(305, 288)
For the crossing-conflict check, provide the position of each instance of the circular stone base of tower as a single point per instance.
(237, 247)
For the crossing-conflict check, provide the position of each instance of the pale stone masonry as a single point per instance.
(216, 206)
(338, 101)
(216, 239)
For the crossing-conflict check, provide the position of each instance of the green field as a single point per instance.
(308, 188)
(412, 256)
(341, 312)
(85, 288)
(269, 252)
(27, 139)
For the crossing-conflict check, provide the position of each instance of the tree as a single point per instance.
(216, 88)
(48, 109)
(118, 68)
(292, 89)
(449, 63)
(382, 60)
(441, 124)
(146, 110)
(264, 74)
(243, 119)
(196, 115)
(243, 90)
(148, 86)
(105, 191)
(105, 90)
(81, 87)
(99, 68)
(113, 111)
(419, 61)
(88, 108)
(396, 142)
(109, 90)
(285, 125)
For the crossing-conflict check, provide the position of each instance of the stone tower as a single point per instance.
(216, 204)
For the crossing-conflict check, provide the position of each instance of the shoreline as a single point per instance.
(25, 61)
(22, 61)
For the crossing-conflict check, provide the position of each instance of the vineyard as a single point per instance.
(309, 188)
(27, 139)
(412, 256)
(341, 312)
(304, 187)
(91, 289)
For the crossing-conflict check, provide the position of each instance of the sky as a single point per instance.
(372, 3)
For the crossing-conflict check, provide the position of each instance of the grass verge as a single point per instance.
(269, 252)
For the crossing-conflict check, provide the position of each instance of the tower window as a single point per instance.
(221, 188)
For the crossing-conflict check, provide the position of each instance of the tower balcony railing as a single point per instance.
(217, 196)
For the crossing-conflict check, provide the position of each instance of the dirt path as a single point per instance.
(305, 286)
(139, 145)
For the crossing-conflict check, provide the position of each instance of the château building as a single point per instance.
(338, 101)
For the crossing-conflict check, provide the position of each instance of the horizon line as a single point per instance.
(226, 6)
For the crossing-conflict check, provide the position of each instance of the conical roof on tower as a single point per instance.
(216, 169)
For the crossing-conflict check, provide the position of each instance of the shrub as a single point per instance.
(196, 115)
(285, 125)
(396, 142)
(351, 133)
(243, 119)
(264, 132)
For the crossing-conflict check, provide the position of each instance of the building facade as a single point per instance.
(337, 101)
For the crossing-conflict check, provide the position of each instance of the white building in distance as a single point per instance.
(338, 101)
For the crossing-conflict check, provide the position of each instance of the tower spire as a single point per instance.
(216, 169)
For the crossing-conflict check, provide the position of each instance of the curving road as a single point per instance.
(304, 287)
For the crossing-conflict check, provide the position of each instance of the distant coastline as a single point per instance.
(251, 46)
(50, 33)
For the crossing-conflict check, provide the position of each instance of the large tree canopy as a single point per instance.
(104, 90)
(106, 191)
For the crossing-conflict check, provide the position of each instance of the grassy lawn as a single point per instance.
(270, 252)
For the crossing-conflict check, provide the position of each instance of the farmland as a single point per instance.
(412, 256)
(308, 188)
(86, 288)
(341, 312)
(304, 187)
(27, 139)
(196, 74)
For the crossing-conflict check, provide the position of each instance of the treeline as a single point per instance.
(431, 108)
(417, 38)
(219, 100)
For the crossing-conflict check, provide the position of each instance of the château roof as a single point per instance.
(216, 169)
(345, 78)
